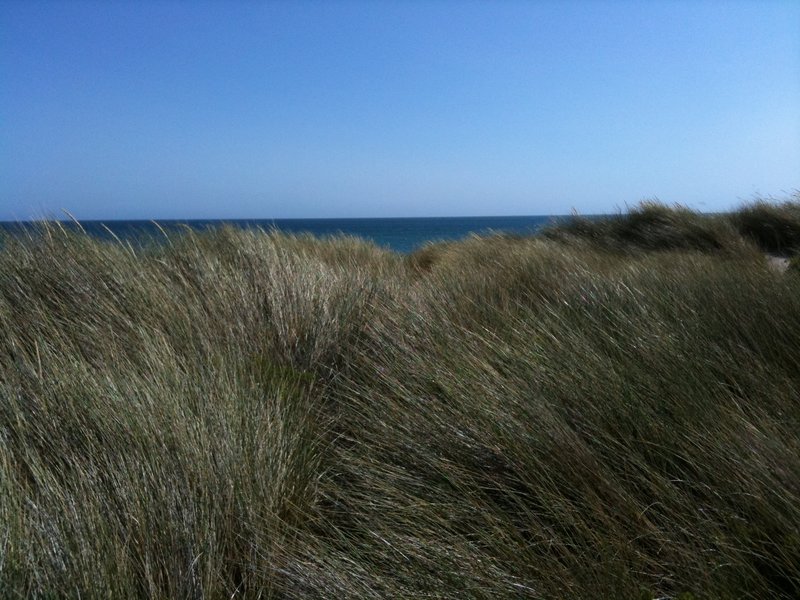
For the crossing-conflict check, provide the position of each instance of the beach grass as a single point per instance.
(607, 410)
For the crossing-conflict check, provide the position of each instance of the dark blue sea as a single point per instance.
(399, 234)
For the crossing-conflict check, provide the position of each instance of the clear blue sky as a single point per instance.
(346, 109)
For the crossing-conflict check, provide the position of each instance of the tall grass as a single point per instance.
(773, 226)
(651, 226)
(249, 414)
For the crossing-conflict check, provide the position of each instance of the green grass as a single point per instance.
(773, 226)
(651, 226)
(607, 410)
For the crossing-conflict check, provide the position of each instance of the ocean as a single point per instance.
(399, 234)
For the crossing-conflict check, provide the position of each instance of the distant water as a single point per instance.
(399, 234)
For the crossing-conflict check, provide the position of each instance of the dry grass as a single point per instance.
(594, 413)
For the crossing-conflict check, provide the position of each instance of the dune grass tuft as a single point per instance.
(772, 227)
(651, 226)
(775, 227)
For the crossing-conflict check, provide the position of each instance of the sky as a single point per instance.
(303, 109)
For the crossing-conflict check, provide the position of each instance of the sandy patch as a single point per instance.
(779, 263)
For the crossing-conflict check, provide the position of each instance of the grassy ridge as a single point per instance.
(608, 410)
(651, 226)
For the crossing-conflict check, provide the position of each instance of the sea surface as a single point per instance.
(399, 234)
